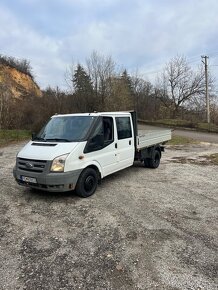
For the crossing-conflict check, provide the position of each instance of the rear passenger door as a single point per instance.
(124, 141)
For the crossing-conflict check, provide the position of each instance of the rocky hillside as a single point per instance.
(19, 83)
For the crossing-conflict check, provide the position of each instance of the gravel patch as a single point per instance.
(142, 229)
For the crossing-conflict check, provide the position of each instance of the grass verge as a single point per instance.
(10, 136)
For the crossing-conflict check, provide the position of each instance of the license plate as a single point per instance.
(28, 179)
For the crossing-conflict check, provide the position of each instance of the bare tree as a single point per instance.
(214, 113)
(69, 73)
(179, 84)
(120, 98)
(144, 98)
(101, 70)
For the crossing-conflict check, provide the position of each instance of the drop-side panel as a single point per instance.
(150, 138)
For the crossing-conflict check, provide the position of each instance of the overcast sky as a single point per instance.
(139, 34)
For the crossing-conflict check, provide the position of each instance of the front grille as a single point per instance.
(31, 165)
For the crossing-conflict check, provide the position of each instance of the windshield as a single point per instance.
(65, 129)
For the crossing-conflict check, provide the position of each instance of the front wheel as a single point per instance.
(87, 183)
(154, 162)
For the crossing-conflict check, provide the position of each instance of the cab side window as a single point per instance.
(108, 130)
(123, 127)
(102, 136)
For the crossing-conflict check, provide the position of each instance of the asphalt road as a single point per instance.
(142, 229)
(200, 136)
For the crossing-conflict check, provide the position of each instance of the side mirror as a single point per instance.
(33, 135)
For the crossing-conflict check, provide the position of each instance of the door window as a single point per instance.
(102, 136)
(108, 130)
(123, 127)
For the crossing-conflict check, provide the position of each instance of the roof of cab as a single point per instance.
(94, 114)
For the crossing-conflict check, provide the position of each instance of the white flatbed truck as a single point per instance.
(75, 151)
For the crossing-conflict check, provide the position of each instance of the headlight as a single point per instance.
(58, 163)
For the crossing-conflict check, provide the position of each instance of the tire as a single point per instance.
(146, 163)
(155, 161)
(87, 182)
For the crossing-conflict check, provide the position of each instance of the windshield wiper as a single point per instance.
(58, 139)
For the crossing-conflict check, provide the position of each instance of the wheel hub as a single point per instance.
(89, 183)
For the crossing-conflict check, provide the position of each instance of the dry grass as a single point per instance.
(10, 136)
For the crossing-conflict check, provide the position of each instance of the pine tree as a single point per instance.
(127, 81)
(128, 89)
(83, 90)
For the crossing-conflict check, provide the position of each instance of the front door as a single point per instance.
(101, 145)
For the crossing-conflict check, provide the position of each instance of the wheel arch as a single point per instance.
(96, 169)
(150, 151)
(96, 166)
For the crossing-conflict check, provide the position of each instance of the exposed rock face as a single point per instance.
(19, 83)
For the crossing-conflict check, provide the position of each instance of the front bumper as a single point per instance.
(52, 182)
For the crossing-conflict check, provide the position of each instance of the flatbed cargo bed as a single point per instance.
(147, 138)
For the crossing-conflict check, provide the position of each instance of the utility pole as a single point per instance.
(206, 86)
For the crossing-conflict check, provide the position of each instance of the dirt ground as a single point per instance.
(142, 229)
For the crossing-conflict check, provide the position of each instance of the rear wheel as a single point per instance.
(155, 161)
(87, 183)
(146, 163)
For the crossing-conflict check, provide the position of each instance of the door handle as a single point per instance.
(130, 142)
(115, 145)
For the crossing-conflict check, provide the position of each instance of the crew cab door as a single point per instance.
(124, 141)
(101, 145)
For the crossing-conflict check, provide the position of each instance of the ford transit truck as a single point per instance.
(75, 151)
